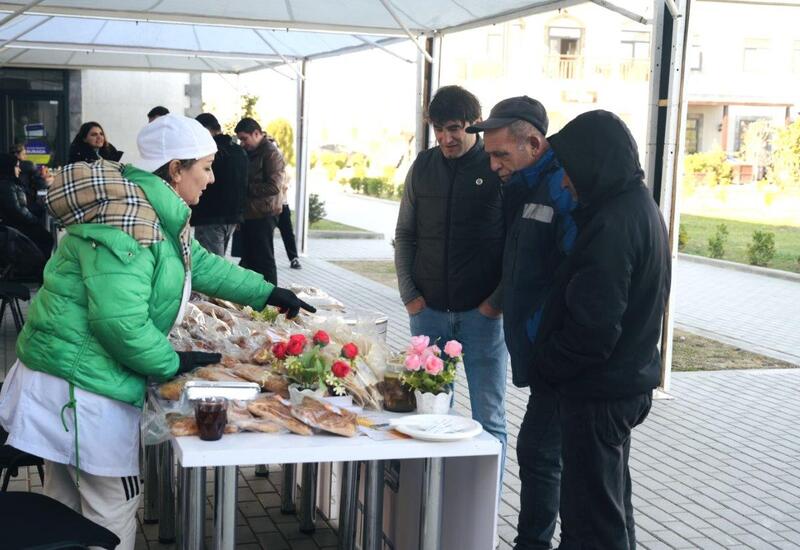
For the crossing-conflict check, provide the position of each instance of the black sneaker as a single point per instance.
(295, 264)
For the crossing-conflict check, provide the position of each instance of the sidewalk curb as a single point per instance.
(325, 234)
(371, 198)
(765, 271)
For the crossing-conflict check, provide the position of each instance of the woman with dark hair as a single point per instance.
(14, 206)
(32, 178)
(90, 144)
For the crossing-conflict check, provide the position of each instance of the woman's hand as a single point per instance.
(286, 302)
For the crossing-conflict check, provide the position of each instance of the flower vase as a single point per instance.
(433, 403)
(297, 393)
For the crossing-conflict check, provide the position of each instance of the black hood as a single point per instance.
(600, 156)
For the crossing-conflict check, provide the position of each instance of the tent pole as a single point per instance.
(427, 82)
(301, 160)
(666, 123)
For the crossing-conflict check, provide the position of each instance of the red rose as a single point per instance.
(340, 369)
(279, 350)
(295, 347)
(349, 350)
(321, 338)
(298, 338)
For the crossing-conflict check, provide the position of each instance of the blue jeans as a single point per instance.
(485, 360)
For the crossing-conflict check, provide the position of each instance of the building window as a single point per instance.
(756, 55)
(796, 57)
(694, 58)
(694, 127)
(565, 45)
(742, 124)
(635, 55)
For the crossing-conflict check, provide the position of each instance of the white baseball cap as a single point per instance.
(173, 137)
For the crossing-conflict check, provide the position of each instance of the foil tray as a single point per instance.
(239, 391)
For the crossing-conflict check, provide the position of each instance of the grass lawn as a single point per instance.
(689, 352)
(740, 234)
(328, 225)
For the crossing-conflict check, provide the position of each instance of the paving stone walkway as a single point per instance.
(717, 467)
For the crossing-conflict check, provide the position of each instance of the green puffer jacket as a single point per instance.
(101, 318)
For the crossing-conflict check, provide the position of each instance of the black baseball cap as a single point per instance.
(513, 109)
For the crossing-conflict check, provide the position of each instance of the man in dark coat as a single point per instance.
(221, 206)
(265, 182)
(601, 327)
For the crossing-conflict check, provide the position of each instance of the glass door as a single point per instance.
(37, 123)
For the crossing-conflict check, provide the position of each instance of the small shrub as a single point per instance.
(355, 184)
(683, 237)
(316, 209)
(761, 249)
(399, 191)
(716, 243)
(712, 167)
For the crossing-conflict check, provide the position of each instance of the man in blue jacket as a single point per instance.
(539, 233)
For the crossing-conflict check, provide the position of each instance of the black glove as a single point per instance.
(288, 303)
(192, 359)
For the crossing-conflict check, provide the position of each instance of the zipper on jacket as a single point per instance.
(448, 215)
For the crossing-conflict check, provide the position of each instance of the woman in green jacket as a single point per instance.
(97, 328)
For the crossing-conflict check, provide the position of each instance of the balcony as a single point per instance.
(578, 67)
(564, 67)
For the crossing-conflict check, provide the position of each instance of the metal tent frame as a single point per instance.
(214, 36)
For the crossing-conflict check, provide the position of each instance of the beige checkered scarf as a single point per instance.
(98, 193)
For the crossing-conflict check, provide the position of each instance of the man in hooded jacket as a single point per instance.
(601, 327)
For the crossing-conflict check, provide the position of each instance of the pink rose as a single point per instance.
(433, 365)
(419, 343)
(453, 349)
(436, 350)
(413, 362)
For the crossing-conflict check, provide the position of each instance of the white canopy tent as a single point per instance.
(238, 37)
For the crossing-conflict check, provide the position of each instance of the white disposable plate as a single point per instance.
(437, 427)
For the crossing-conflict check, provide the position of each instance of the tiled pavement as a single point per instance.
(717, 467)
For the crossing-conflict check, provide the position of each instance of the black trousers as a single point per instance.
(287, 232)
(539, 457)
(258, 253)
(596, 508)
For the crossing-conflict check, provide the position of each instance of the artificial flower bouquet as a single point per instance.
(312, 366)
(430, 371)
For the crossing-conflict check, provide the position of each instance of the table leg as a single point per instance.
(288, 485)
(348, 506)
(373, 506)
(191, 508)
(166, 489)
(308, 498)
(225, 507)
(430, 532)
(150, 484)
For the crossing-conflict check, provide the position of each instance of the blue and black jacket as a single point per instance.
(540, 233)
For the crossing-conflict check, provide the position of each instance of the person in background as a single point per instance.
(449, 252)
(97, 329)
(33, 179)
(220, 209)
(14, 206)
(284, 223)
(601, 327)
(266, 175)
(156, 112)
(539, 234)
(90, 145)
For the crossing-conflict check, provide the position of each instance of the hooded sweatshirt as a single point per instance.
(602, 324)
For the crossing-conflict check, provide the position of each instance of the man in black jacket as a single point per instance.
(221, 206)
(601, 327)
(449, 249)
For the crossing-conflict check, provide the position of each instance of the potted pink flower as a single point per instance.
(430, 372)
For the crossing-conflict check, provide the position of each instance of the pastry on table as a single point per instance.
(326, 417)
(273, 408)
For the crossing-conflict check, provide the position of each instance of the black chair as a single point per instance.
(32, 521)
(21, 264)
(11, 460)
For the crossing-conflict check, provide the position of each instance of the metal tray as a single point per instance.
(239, 391)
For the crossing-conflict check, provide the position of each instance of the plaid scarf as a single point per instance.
(98, 193)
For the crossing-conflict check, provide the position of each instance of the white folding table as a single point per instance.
(448, 498)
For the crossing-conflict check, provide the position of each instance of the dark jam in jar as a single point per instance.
(397, 397)
(211, 414)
